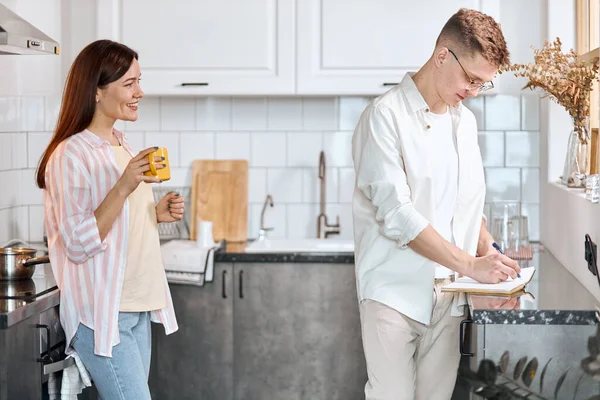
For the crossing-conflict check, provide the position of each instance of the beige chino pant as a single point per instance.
(407, 359)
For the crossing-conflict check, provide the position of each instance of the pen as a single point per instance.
(495, 245)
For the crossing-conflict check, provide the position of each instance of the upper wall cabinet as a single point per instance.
(197, 47)
(364, 47)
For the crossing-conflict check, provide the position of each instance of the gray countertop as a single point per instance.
(555, 298)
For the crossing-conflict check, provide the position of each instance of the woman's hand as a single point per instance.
(134, 173)
(170, 208)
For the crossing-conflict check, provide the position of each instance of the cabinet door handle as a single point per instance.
(223, 284)
(241, 284)
(45, 355)
(462, 337)
(390, 83)
(194, 84)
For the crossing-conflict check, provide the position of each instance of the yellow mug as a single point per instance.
(164, 174)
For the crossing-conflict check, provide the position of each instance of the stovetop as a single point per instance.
(41, 283)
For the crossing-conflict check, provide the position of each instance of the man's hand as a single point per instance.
(492, 268)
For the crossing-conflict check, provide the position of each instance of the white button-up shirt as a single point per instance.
(395, 198)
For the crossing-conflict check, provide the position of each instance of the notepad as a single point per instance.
(509, 286)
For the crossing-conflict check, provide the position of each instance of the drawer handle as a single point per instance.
(390, 83)
(462, 337)
(194, 84)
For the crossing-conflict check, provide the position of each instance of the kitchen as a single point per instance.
(292, 89)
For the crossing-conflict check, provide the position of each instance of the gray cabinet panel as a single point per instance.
(297, 332)
(20, 374)
(196, 362)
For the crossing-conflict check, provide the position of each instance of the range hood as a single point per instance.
(18, 36)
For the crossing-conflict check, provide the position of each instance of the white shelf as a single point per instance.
(567, 217)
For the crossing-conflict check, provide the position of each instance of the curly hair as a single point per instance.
(470, 32)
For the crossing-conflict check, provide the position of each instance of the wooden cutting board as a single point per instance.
(220, 194)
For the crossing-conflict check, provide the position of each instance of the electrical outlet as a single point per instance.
(591, 255)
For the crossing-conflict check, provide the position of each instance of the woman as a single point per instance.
(102, 224)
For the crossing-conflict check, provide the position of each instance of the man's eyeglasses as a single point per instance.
(482, 87)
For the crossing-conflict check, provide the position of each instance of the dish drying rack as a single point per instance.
(179, 229)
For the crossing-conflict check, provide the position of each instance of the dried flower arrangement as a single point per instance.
(565, 78)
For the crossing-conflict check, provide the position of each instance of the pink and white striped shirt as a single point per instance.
(89, 272)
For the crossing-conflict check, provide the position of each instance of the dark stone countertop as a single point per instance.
(553, 297)
(234, 252)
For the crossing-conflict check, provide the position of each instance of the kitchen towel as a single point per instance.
(187, 263)
(75, 378)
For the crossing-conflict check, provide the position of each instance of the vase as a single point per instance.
(574, 170)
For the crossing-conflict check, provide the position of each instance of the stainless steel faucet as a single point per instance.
(324, 229)
(262, 233)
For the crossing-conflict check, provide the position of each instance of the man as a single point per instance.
(418, 213)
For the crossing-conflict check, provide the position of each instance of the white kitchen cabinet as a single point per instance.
(33, 75)
(206, 47)
(357, 47)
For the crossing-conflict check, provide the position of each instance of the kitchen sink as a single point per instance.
(301, 246)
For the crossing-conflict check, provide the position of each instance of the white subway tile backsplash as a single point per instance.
(177, 114)
(319, 114)
(137, 141)
(5, 151)
(477, 107)
(502, 112)
(530, 185)
(180, 177)
(530, 112)
(311, 185)
(235, 145)
(503, 184)
(36, 223)
(275, 217)
(11, 179)
(344, 213)
(303, 149)
(196, 146)
(284, 114)
(302, 221)
(10, 114)
(19, 151)
(350, 110)
(32, 114)
(338, 149)
(285, 184)
(281, 137)
(36, 145)
(268, 149)
(249, 114)
(30, 193)
(149, 112)
(213, 114)
(491, 145)
(169, 140)
(522, 149)
(347, 179)
(51, 110)
(257, 185)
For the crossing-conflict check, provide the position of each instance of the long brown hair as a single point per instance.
(98, 64)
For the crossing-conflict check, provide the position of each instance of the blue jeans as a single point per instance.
(124, 376)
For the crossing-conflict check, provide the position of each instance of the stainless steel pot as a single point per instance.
(19, 263)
